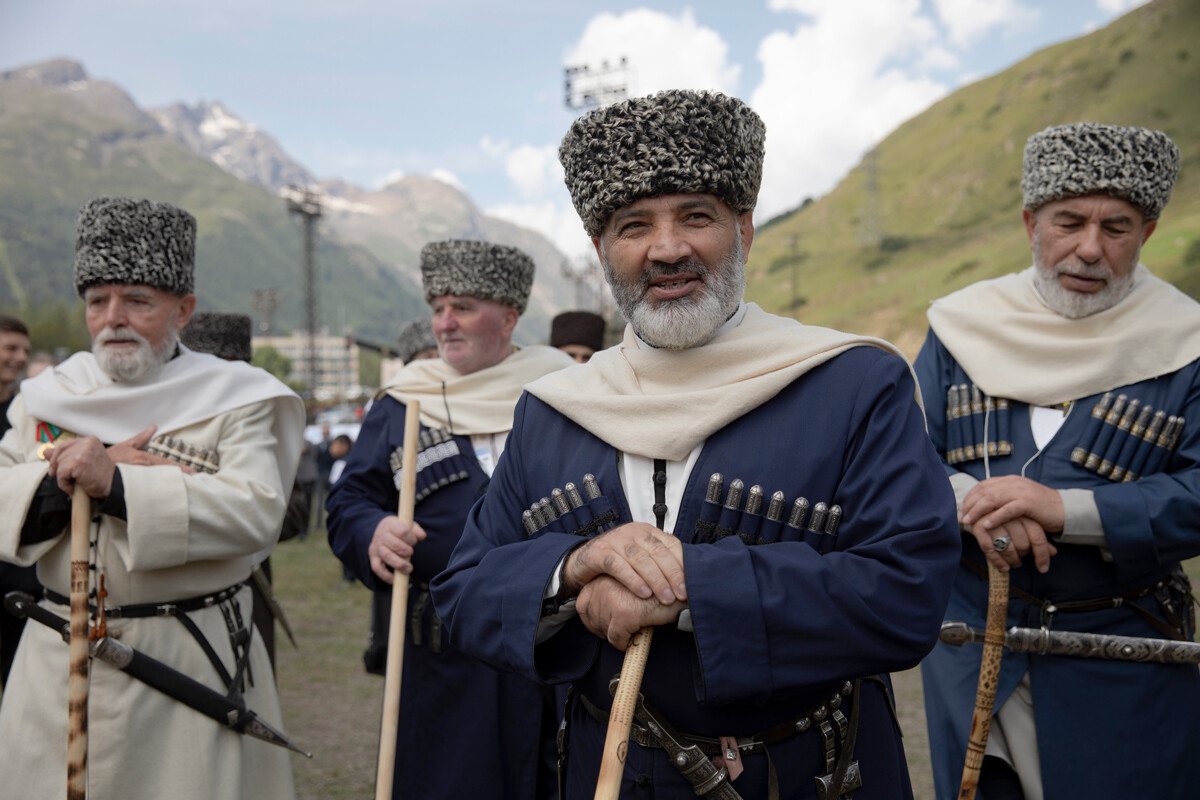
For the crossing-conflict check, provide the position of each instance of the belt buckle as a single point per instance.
(165, 610)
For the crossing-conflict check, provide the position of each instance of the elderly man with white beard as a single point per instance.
(1064, 400)
(188, 460)
(760, 491)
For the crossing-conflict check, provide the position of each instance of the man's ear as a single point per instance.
(746, 223)
(1149, 229)
(511, 317)
(1030, 218)
(187, 306)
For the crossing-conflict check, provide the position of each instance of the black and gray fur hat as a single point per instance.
(226, 336)
(477, 269)
(1135, 164)
(415, 337)
(577, 327)
(128, 241)
(674, 142)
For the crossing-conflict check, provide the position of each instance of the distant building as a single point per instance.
(337, 363)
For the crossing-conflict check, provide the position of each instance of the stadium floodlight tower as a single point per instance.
(586, 87)
(306, 203)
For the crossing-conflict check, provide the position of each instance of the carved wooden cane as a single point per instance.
(989, 676)
(396, 625)
(77, 682)
(620, 718)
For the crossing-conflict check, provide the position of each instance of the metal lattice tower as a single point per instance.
(870, 226)
(307, 203)
(586, 87)
(265, 302)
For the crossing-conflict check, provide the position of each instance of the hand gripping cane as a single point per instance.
(396, 625)
(77, 682)
(620, 718)
(989, 676)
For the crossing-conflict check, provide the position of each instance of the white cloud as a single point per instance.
(1119, 6)
(554, 219)
(834, 87)
(446, 176)
(534, 171)
(969, 20)
(662, 51)
(494, 147)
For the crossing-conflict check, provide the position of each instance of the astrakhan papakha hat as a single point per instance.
(226, 336)
(577, 327)
(415, 337)
(1135, 164)
(127, 241)
(674, 142)
(477, 269)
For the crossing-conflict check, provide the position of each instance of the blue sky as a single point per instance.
(472, 91)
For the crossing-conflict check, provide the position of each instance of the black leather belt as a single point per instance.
(167, 609)
(747, 745)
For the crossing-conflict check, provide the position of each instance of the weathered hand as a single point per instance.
(84, 461)
(611, 611)
(646, 560)
(391, 547)
(133, 451)
(1025, 535)
(997, 500)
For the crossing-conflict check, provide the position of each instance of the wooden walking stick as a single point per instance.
(989, 676)
(396, 625)
(77, 682)
(620, 718)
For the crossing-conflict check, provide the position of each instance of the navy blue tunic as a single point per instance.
(1105, 728)
(465, 729)
(778, 626)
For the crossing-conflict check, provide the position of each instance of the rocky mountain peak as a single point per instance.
(236, 146)
(53, 73)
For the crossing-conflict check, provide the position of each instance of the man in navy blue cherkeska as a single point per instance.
(1073, 451)
(465, 730)
(772, 640)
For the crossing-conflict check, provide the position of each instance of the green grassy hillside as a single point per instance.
(947, 208)
(60, 147)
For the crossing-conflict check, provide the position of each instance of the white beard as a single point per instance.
(688, 321)
(1076, 305)
(125, 366)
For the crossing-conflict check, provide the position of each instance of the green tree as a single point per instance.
(273, 362)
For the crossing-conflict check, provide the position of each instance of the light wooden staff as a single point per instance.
(989, 676)
(77, 683)
(620, 718)
(396, 625)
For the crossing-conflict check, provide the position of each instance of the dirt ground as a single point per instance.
(331, 706)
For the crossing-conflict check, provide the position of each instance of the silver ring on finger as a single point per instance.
(1001, 543)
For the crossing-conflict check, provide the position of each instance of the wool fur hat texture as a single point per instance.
(577, 327)
(226, 336)
(477, 269)
(129, 241)
(1135, 164)
(415, 337)
(674, 142)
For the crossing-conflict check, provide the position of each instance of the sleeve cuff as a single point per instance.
(1081, 519)
(961, 483)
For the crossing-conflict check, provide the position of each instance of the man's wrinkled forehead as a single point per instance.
(131, 291)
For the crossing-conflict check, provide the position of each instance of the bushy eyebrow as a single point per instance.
(691, 204)
(1065, 215)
